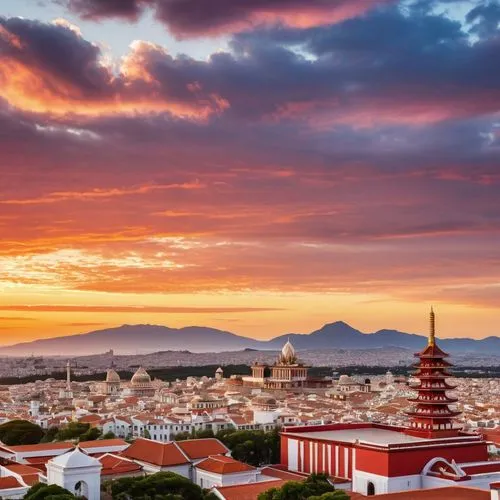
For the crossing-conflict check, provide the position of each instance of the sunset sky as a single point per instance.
(259, 166)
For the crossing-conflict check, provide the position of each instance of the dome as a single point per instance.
(219, 370)
(288, 353)
(112, 376)
(344, 380)
(141, 377)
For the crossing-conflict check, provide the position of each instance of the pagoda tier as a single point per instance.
(431, 415)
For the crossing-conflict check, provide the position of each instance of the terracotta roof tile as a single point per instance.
(221, 464)
(155, 452)
(248, 491)
(283, 474)
(9, 482)
(102, 443)
(41, 447)
(202, 448)
(112, 464)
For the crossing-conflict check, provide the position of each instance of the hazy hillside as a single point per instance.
(131, 339)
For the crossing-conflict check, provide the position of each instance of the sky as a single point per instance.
(259, 166)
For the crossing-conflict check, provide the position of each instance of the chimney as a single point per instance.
(495, 491)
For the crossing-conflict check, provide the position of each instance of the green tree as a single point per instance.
(147, 434)
(204, 433)
(48, 492)
(50, 435)
(108, 435)
(253, 447)
(91, 435)
(182, 436)
(333, 495)
(315, 487)
(18, 432)
(159, 486)
(72, 431)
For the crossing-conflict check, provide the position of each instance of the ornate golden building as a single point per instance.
(287, 373)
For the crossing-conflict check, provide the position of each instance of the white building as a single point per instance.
(77, 472)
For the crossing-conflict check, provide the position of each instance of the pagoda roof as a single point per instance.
(433, 402)
(432, 351)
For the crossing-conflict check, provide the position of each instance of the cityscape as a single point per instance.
(249, 250)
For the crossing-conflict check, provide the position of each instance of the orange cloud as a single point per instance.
(97, 193)
(32, 82)
(133, 309)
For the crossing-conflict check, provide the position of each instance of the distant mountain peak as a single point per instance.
(147, 338)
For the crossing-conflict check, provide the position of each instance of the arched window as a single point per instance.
(370, 489)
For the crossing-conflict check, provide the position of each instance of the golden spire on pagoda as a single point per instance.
(432, 332)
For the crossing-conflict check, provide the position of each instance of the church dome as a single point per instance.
(288, 354)
(344, 380)
(141, 377)
(112, 376)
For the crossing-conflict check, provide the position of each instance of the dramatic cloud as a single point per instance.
(351, 151)
(135, 309)
(187, 18)
(52, 69)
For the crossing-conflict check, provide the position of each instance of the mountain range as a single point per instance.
(131, 339)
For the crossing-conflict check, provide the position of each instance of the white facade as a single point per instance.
(382, 484)
(76, 472)
(206, 479)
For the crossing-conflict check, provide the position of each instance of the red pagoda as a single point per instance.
(431, 416)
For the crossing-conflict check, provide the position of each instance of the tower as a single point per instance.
(431, 416)
(68, 376)
(67, 393)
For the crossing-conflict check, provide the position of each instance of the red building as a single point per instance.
(432, 416)
(373, 459)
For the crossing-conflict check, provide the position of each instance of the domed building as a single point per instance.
(113, 383)
(141, 385)
(287, 373)
(287, 356)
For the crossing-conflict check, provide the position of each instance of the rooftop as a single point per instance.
(224, 465)
(202, 448)
(371, 435)
(248, 491)
(155, 452)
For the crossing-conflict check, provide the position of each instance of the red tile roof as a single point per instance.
(102, 443)
(8, 482)
(21, 469)
(221, 464)
(31, 479)
(41, 447)
(248, 491)
(202, 448)
(112, 464)
(283, 474)
(87, 419)
(155, 452)
(36, 461)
